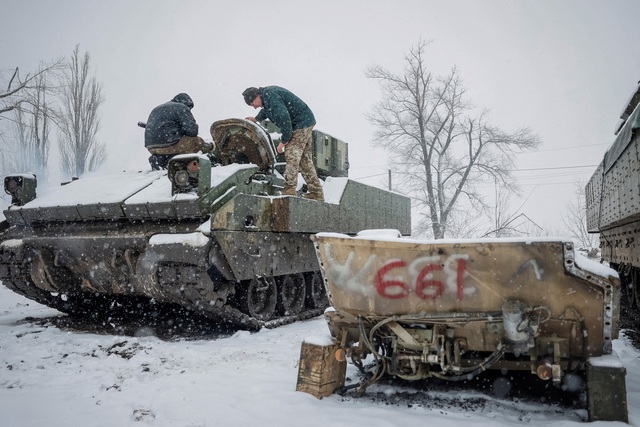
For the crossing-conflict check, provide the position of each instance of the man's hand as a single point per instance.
(280, 148)
(251, 119)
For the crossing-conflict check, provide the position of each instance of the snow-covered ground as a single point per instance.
(56, 377)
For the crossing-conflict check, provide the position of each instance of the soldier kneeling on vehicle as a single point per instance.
(171, 129)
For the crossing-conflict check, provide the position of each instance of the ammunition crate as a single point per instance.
(320, 372)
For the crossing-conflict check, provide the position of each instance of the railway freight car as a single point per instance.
(613, 204)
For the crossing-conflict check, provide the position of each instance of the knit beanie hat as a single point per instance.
(250, 94)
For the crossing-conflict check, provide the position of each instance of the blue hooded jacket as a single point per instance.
(169, 122)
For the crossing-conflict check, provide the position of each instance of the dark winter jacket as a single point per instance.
(169, 122)
(285, 110)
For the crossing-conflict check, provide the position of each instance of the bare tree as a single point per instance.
(78, 120)
(15, 94)
(438, 148)
(31, 125)
(575, 221)
(508, 222)
(24, 105)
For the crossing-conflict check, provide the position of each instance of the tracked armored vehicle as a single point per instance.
(450, 310)
(211, 235)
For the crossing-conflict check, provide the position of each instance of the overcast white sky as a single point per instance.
(562, 68)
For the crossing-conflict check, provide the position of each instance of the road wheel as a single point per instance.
(316, 293)
(258, 298)
(634, 284)
(291, 294)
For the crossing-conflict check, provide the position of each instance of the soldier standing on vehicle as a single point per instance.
(295, 120)
(171, 129)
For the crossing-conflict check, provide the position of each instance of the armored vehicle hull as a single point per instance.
(453, 309)
(217, 240)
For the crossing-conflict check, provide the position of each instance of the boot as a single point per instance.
(288, 192)
(319, 197)
(159, 161)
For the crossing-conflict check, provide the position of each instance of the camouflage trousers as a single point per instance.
(299, 159)
(185, 145)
